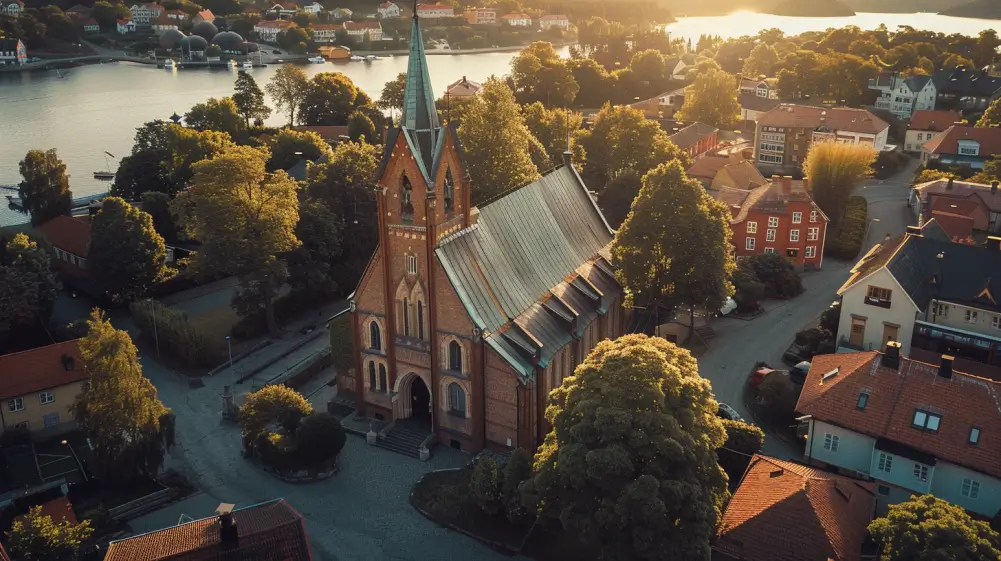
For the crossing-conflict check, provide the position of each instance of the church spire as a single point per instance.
(420, 117)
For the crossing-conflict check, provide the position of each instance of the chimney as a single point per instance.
(229, 536)
(568, 158)
(945, 367)
(891, 356)
(948, 186)
(786, 184)
(994, 187)
(474, 215)
(914, 230)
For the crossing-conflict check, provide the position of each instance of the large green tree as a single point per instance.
(674, 247)
(249, 99)
(629, 467)
(496, 142)
(992, 116)
(45, 187)
(557, 130)
(260, 212)
(761, 61)
(393, 93)
(319, 230)
(330, 98)
(38, 537)
(126, 254)
(119, 411)
(287, 88)
(926, 528)
(835, 170)
(272, 405)
(361, 128)
(616, 198)
(539, 74)
(712, 99)
(28, 287)
(622, 138)
(157, 205)
(217, 114)
(142, 172)
(289, 145)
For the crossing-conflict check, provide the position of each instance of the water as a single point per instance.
(97, 108)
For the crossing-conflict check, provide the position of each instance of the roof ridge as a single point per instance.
(40, 348)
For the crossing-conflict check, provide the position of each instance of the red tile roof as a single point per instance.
(40, 369)
(785, 511)
(963, 401)
(954, 225)
(837, 118)
(207, 15)
(935, 121)
(273, 529)
(960, 190)
(362, 25)
(59, 509)
(769, 198)
(68, 234)
(948, 141)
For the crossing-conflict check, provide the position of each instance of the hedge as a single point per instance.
(847, 244)
(341, 346)
(175, 333)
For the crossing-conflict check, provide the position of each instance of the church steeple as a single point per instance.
(420, 117)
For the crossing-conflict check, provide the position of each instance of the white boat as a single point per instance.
(169, 64)
(231, 64)
(247, 64)
(371, 58)
(356, 58)
(317, 59)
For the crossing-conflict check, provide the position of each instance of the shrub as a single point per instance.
(811, 340)
(749, 290)
(777, 274)
(319, 440)
(485, 487)
(831, 317)
(848, 241)
(517, 470)
(889, 163)
(742, 441)
(927, 175)
(272, 405)
(778, 394)
(175, 333)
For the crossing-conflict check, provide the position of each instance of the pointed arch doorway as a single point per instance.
(420, 402)
(413, 404)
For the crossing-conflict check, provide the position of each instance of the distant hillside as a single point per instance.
(989, 9)
(903, 6)
(819, 9)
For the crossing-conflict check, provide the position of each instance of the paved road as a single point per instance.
(739, 344)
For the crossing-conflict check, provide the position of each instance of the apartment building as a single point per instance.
(903, 95)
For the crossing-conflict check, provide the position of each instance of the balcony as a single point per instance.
(878, 302)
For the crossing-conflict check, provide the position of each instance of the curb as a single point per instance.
(307, 339)
(239, 357)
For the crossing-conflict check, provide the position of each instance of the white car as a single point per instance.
(727, 412)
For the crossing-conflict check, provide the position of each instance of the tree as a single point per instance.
(496, 142)
(712, 99)
(777, 274)
(216, 114)
(126, 253)
(743, 440)
(622, 138)
(360, 128)
(927, 175)
(834, 171)
(152, 136)
(393, 93)
(992, 116)
(485, 486)
(272, 407)
(629, 468)
(213, 51)
(260, 211)
(926, 528)
(249, 99)
(779, 396)
(157, 205)
(319, 439)
(119, 411)
(748, 288)
(761, 61)
(539, 74)
(288, 87)
(187, 146)
(557, 130)
(289, 145)
(319, 230)
(39, 537)
(674, 247)
(517, 470)
(616, 198)
(28, 287)
(596, 86)
(142, 172)
(45, 189)
(294, 40)
(107, 14)
(330, 99)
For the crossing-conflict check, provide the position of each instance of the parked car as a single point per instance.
(276, 52)
(797, 374)
(727, 412)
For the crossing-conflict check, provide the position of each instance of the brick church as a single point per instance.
(465, 318)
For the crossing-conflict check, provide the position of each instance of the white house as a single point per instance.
(547, 21)
(145, 14)
(908, 426)
(926, 125)
(164, 23)
(359, 30)
(517, 20)
(435, 11)
(267, 31)
(285, 11)
(12, 51)
(126, 26)
(326, 32)
(765, 89)
(11, 8)
(314, 8)
(388, 10)
(341, 13)
(902, 96)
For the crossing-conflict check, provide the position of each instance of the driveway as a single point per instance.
(739, 344)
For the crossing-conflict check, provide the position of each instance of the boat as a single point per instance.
(356, 58)
(169, 64)
(317, 59)
(106, 175)
(247, 64)
(231, 64)
(371, 58)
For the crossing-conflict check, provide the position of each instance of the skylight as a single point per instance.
(830, 374)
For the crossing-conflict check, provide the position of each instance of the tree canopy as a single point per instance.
(556, 130)
(38, 537)
(992, 116)
(28, 287)
(834, 171)
(249, 99)
(616, 198)
(330, 98)
(712, 99)
(288, 87)
(629, 467)
(45, 187)
(539, 74)
(622, 138)
(926, 528)
(393, 93)
(287, 145)
(761, 61)
(217, 114)
(126, 254)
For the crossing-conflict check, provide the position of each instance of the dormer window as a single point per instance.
(406, 201)
(969, 148)
(449, 191)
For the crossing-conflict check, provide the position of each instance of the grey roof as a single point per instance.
(966, 81)
(530, 272)
(917, 83)
(420, 117)
(929, 268)
(691, 134)
(752, 102)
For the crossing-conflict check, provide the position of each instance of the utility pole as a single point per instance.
(229, 346)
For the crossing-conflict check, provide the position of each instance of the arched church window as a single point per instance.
(456, 400)
(382, 377)
(455, 356)
(406, 201)
(371, 375)
(406, 317)
(449, 191)
(420, 320)
(375, 335)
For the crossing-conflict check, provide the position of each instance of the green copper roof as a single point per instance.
(420, 117)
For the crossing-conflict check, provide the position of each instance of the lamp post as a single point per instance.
(83, 472)
(229, 346)
(156, 336)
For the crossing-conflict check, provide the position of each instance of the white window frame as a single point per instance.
(924, 420)
(941, 310)
(769, 250)
(996, 322)
(811, 251)
(794, 235)
(813, 216)
(797, 217)
(970, 488)
(46, 394)
(971, 316)
(412, 264)
(769, 158)
(749, 244)
(831, 442)
(885, 463)
(773, 221)
(812, 234)
(920, 472)
(770, 235)
(752, 227)
(16, 404)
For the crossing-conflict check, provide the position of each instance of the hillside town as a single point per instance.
(651, 299)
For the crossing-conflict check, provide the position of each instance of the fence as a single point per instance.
(140, 506)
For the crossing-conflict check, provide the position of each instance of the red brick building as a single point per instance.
(696, 139)
(70, 237)
(465, 318)
(778, 217)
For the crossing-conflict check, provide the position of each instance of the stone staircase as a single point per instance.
(706, 332)
(404, 438)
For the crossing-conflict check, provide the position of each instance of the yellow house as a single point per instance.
(38, 387)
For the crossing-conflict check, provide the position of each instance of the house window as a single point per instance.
(921, 472)
(863, 399)
(456, 400)
(16, 404)
(770, 158)
(885, 462)
(941, 310)
(831, 442)
(455, 356)
(969, 150)
(449, 191)
(813, 216)
(996, 322)
(970, 316)
(375, 334)
(46, 397)
(797, 217)
(812, 234)
(811, 251)
(794, 235)
(769, 250)
(883, 490)
(406, 317)
(749, 244)
(881, 294)
(406, 202)
(411, 264)
(752, 227)
(371, 375)
(769, 235)
(974, 435)
(971, 488)
(771, 147)
(382, 377)
(23, 425)
(773, 222)
(51, 420)
(926, 421)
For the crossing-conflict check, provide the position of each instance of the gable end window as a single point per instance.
(455, 356)
(921, 472)
(970, 316)
(449, 191)
(375, 336)
(411, 264)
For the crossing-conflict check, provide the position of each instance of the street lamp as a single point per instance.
(83, 472)
(229, 346)
(156, 336)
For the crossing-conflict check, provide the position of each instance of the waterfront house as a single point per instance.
(925, 125)
(268, 530)
(364, 30)
(90, 25)
(267, 31)
(696, 139)
(963, 145)
(911, 427)
(554, 20)
(783, 136)
(966, 89)
(12, 8)
(284, 10)
(164, 23)
(903, 95)
(39, 386)
(12, 52)
(313, 8)
(435, 11)
(389, 10)
(204, 15)
(70, 238)
(782, 508)
(463, 88)
(126, 26)
(730, 170)
(325, 33)
(341, 13)
(145, 14)
(481, 16)
(980, 204)
(517, 20)
(778, 217)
